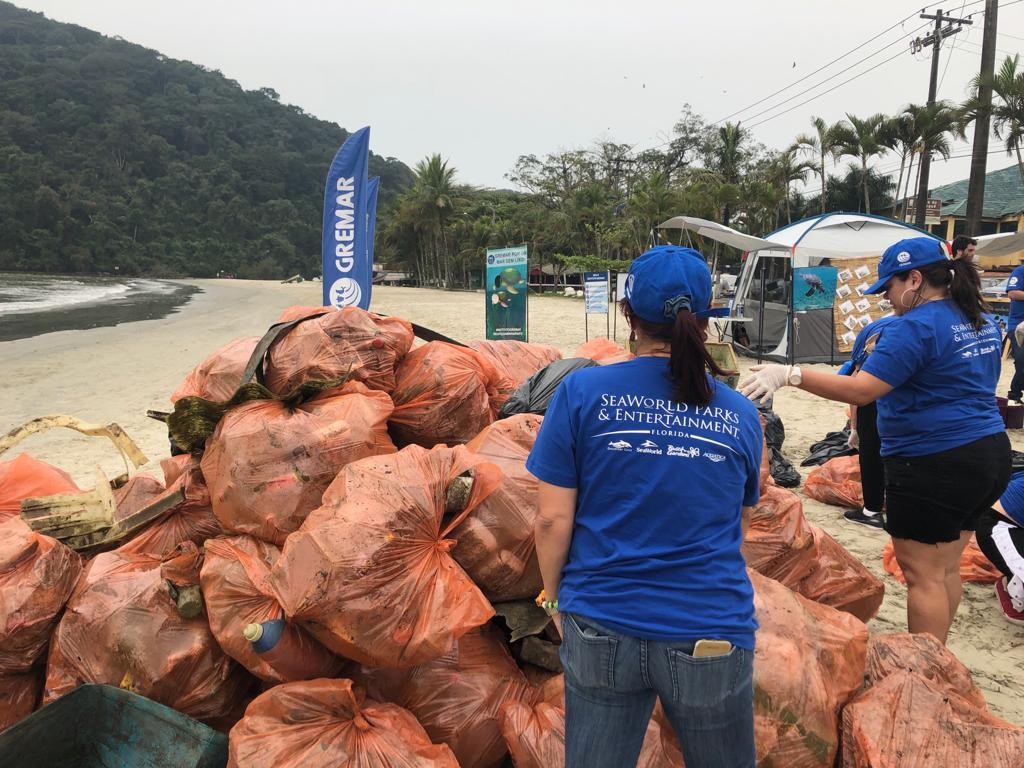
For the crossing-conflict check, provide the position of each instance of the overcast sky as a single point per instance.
(482, 82)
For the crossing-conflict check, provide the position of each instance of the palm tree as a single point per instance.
(823, 143)
(434, 194)
(653, 200)
(899, 133)
(1007, 113)
(935, 125)
(727, 157)
(861, 138)
(785, 169)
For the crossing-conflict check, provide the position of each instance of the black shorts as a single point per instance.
(933, 499)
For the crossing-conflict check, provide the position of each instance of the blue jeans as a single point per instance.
(1017, 382)
(612, 681)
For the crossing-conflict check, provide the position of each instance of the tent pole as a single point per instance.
(760, 313)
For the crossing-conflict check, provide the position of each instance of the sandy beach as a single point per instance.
(114, 374)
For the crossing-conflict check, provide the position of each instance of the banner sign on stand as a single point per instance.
(595, 292)
(506, 293)
(346, 267)
(372, 188)
(814, 288)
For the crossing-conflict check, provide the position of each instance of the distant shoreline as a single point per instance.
(133, 307)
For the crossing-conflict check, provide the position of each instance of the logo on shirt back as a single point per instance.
(620, 445)
(649, 446)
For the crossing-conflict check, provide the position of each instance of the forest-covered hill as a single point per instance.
(114, 158)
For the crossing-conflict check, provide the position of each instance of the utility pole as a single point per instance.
(935, 40)
(979, 156)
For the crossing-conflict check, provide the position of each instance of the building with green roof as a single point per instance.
(1003, 209)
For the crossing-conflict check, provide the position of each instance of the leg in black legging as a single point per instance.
(872, 475)
(1005, 549)
(1017, 383)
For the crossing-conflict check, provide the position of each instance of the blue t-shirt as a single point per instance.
(656, 540)
(1015, 282)
(865, 344)
(1012, 500)
(943, 375)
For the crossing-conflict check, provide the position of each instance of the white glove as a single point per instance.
(854, 441)
(765, 381)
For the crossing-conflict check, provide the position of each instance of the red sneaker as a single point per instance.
(1012, 609)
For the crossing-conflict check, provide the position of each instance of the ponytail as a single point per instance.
(690, 361)
(961, 279)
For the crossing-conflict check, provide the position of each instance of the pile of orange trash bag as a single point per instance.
(495, 542)
(518, 360)
(348, 342)
(457, 697)
(837, 481)
(25, 477)
(370, 573)
(190, 520)
(122, 628)
(219, 376)
(19, 695)
(445, 394)
(782, 545)
(809, 661)
(236, 589)
(267, 464)
(604, 352)
(974, 566)
(920, 709)
(329, 724)
(37, 576)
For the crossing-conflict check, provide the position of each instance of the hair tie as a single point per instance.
(676, 305)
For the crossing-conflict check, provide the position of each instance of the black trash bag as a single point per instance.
(534, 394)
(832, 445)
(1016, 462)
(783, 473)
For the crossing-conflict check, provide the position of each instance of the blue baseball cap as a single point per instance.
(667, 279)
(912, 253)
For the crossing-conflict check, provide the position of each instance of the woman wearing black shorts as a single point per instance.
(944, 447)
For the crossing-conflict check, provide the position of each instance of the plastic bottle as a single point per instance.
(292, 653)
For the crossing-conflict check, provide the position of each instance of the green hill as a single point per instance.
(114, 158)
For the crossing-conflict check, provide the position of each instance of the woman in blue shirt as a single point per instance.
(944, 448)
(646, 471)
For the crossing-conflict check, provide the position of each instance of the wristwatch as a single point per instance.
(794, 378)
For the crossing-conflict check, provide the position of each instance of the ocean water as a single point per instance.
(34, 304)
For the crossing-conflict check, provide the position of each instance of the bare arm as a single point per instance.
(860, 389)
(556, 511)
(745, 516)
(1015, 295)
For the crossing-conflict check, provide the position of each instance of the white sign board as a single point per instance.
(595, 292)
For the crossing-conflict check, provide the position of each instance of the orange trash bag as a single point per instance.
(349, 342)
(837, 481)
(25, 477)
(219, 376)
(808, 662)
(458, 697)
(924, 656)
(237, 592)
(267, 464)
(19, 695)
(495, 542)
(518, 360)
(122, 628)
(765, 472)
(37, 576)
(974, 566)
(328, 724)
(840, 580)
(191, 520)
(603, 351)
(908, 721)
(370, 573)
(446, 394)
(779, 537)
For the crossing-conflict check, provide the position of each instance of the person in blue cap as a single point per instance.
(647, 471)
(944, 447)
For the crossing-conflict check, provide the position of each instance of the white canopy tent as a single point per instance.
(1002, 244)
(764, 289)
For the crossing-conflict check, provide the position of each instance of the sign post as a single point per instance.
(506, 293)
(595, 299)
(932, 210)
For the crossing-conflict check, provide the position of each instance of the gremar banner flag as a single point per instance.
(345, 247)
(372, 187)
